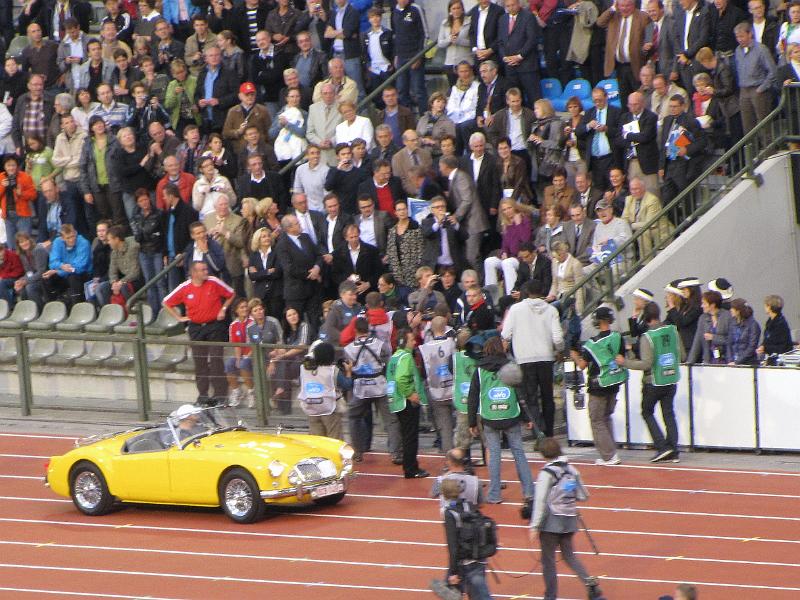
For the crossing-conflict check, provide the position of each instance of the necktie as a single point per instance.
(596, 136)
(415, 159)
(622, 48)
(327, 112)
(577, 232)
(511, 21)
(488, 110)
(655, 42)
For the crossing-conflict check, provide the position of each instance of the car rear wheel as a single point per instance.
(89, 490)
(329, 500)
(240, 496)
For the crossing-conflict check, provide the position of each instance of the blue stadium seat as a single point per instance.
(551, 88)
(611, 86)
(577, 87)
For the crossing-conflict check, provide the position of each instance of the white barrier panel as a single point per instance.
(778, 414)
(724, 407)
(638, 433)
(579, 429)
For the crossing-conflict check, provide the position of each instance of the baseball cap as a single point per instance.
(602, 204)
(604, 313)
(247, 88)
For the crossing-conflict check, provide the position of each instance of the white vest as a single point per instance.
(318, 391)
(369, 380)
(437, 355)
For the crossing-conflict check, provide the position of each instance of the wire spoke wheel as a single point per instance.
(238, 497)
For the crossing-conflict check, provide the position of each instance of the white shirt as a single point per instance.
(331, 227)
(758, 30)
(307, 225)
(461, 105)
(687, 25)
(483, 14)
(476, 166)
(377, 61)
(354, 255)
(518, 142)
(367, 227)
(264, 257)
(311, 182)
(360, 128)
(75, 49)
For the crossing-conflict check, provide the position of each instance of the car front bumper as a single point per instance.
(303, 489)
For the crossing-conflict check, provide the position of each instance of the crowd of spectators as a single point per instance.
(232, 133)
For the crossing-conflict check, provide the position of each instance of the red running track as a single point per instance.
(733, 533)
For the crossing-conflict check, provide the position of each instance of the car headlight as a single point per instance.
(276, 467)
(294, 478)
(346, 452)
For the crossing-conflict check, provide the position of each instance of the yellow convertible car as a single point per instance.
(202, 457)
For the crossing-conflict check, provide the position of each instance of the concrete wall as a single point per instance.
(750, 237)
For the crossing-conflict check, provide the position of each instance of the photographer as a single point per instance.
(321, 387)
(437, 354)
(443, 238)
(469, 486)
(425, 298)
(17, 195)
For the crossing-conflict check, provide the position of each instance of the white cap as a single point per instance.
(184, 410)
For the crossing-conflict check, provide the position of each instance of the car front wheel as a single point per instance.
(89, 490)
(240, 496)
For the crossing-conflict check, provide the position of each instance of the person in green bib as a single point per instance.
(600, 355)
(661, 353)
(405, 390)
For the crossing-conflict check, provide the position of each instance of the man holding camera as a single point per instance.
(17, 195)
(443, 237)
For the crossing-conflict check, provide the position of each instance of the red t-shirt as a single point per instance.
(202, 302)
(237, 333)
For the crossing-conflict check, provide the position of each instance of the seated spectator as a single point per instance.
(514, 177)
(265, 273)
(256, 144)
(258, 183)
(209, 186)
(713, 328)
(559, 192)
(463, 102)
(618, 191)
(385, 189)
(610, 233)
(155, 83)
(173, 175)
(269, 216)
(345, 179)
(204, 248)
(404, 245)
(424, 298)
(233, 57)
(578, 233)
(124, 270)
(353, 126)
(345, 89)
(224, 159)
(101, 258)
(566, 272)
(777, 335)
(10, 272)
(515, 225)
(291, 79)
(51, 212)
(309, 178)
(34, 259)
(532, 266)
(448, 285)
(289, 130)
(17, 200)
(373, 224)
(179, 97)
(435, 124)
(246, 114)
(410, 156)
(70, 266)
(178, 215)
(743, 335)
(227, 229)
(551, 231)
(148, 228)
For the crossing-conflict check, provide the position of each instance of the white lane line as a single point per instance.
(227, 578)
(39, 478)
(81, 594)
(378, 540)
(39, 436)
(25, 456)
(12, 498)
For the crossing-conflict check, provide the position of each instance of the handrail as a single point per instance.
(373, 94)
(753, 156)
(140, 294)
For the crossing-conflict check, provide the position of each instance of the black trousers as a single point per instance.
(209, 368)
(599, 166)
(309, 308)
(549, 542)
(409, 432)
(664, 395)
(71, 285)
(537, 379)
(528, 84)
(627, 83)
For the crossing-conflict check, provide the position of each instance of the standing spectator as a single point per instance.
(692, 31)
(210, 185)
(301, 263)
(341, 313)
(197, 42)
(289, 130)
(255, 145)
(377, 48)
(51, 211)
(404, 246)
(310, 63)
(309, 178)
(724, 16)
(755, 72)
(373, 224)
(682, 148)
(514, 122)
(638, 139)
(640, 207)
(248, 113)
(501, 413)
(399, 118)
(258, 183)
(625, 33)
(40, 56)
(110, 43)
(227, 229)
(148, 231)
(206, 300)
(296, 332)
(515, 225)
(682, 312)
(266, 71)
(216, 90)
(483, 28)
(713, 328)
(491, 94)
(224, 160)
(443, 237)
(605, 377)
(410, 33)
(173, 175)
(343, 41)
(84, 107)
(469, 211)
(454, 39)
(611, 232)
(323, 117)
(485, 172)
(144, 111)
(518, 36)
(113, 113)
(71, 52)
(723, 92)
(743, 336)
(264, 329)
(533, 330)
(233, 57)
(155, 83)
(10, 272)
(70, 266)
(578, 233)
(551, 230)
(265, 272)
(566, 271)
(124, 270)
(777, 335)
(385, 189)
(130, 162)
(178, 215)
(345, 179)
(661, 353)
(202, 248)
(30, 112)
(244, 20)
(514, 177)
(598, 129)
(12, 83)
(407, 158)
(179, 97)
(663, 91)
(765, 27)
(18, 198)
(191, 148)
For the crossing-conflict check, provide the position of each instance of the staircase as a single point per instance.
(772, 134)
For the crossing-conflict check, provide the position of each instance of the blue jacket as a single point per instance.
(742, 341)
(215, 259)
(409, 29)
(79, 256)
(169, 11)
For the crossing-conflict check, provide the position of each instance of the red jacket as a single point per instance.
(24, 194)
(375, 316)
(185, 184)
(11, 267)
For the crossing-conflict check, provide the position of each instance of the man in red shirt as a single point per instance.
(206, 300)
(10, 271)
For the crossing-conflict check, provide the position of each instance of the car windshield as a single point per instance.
(187, 422)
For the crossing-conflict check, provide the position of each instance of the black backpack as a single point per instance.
(477, 533)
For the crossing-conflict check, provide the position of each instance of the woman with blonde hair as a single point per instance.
(353, 126)
(264, 272)
(567, 271)
(546, 141)
(267, 211)
(435, 124)
(515, 224)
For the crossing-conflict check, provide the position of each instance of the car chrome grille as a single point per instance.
(315, 469)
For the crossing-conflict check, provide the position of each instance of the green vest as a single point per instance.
(665, 354)
(604, 352)
(397, 402)
(464, 367)
(498, 400)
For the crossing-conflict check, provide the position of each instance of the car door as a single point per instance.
(194, 472)
(142, 476)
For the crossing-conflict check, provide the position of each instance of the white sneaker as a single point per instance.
(251, 398)
(614, 460)
(234, 397)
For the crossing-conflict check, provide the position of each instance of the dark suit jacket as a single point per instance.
(226, 90)
(42, 13)
(490, 29)
(770, 35)
(645, 142)
(542, 271)
(587, 135)
(595, 194)
(498, 97)
(699, 30)
(395, 186)
(499, 127)
(666, 55)
(368, 266)
(296, 264)
(265, 283)
(432, 248)
(274, 187)
(522, 41)
(405, 118)
(338, 232)
(235, 20)
(383, 222)
(581, 248)
(319, 66)
(214, 259)
(185, 215)
(351, 24)
(317, 221)
(488, 183)
(695, 149)
(429, 189)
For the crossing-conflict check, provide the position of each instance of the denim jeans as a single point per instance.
(7, 290)
(13, 225)
(514, 437)
(474, 577)
(664, 395)
(412, 82)
(352, 68)
(152, 263)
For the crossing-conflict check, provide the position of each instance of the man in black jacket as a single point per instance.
(444, 238)
(177, 218)
(491, 93)
(258, 183)
(345, 179)
(518, 36)
(408, 24)
(484, 17)
(44, 12)
(242, 19)
(384, 188)
(598, 129)
(682, 148)
(311, 64)
(265, 69)
(638, 140)
(342, 40)
(213, 103)
(358, 261)
(301, 263)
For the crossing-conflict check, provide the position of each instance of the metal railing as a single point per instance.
(371, 96)
(781, 126)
